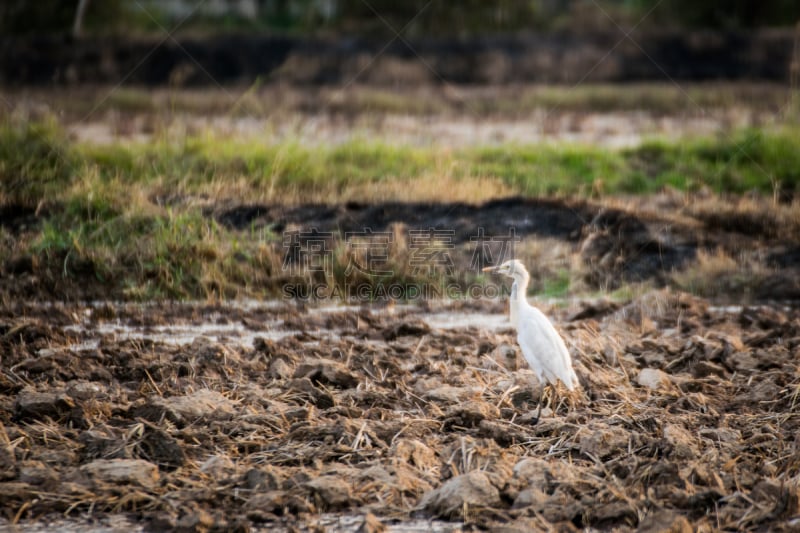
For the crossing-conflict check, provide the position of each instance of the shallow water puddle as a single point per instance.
(216, 327)
(180, 334)
(121, 524)
(456, 320)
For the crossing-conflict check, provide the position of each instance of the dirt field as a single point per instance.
(201, 417)
(280, 416)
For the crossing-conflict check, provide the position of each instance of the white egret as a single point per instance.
(542, 346)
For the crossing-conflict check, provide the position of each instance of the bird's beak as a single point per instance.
(490, 269)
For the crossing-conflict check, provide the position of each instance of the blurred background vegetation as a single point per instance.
(418, 18)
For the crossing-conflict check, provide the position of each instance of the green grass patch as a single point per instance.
(746, 161)
(36, 162)
(557, 286)
(750, 160)
(169, 255)
(129, 216)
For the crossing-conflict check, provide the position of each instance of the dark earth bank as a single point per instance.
(613, 245)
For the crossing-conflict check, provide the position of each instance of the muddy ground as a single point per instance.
(201, 417)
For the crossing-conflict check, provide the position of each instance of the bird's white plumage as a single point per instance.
(542, 346)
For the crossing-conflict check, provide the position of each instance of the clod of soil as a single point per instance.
(687, 418)
(471, 489)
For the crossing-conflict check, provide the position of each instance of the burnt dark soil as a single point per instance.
(613, 245)
(646, 250)
(687, 418)
(642, 242)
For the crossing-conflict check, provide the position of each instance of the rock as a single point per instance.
(502, 433)
(522, 524)
(541, 474)
(547, 487)
(371, 524)
(262, 479)
(741, 361)
(470, 414)
(764, 391)
(27, 333)
(604, 442)
(682, 444)
(449, 500)
(703, 474)
(87, 390)
(532, 472)
(327, 372)
(415, 453)
(414, 328)
(218, 467)
(263, 506)
(41, 405)
(614, 512)
(123, 471)
(189, 518)
(703, 369)
(653, 379)
(16, 490)
(160, 448)
(266, 346)
(36, 473)
(728, 435)
(666, 521)
(506, 356)
(530, 497)
(783, 498)
(653, 358)
(315, 395)
(101, 443)
(182, 410)
(280, 369)
(449, 394)
(8, 462)
(596, 309)
(208, 351)
(196, 520)
(331, 491)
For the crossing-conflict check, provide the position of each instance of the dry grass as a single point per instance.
(369, 411)
(425, 100)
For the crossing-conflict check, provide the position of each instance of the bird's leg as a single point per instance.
(539, 410)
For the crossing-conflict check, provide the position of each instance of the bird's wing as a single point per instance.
(543, 347)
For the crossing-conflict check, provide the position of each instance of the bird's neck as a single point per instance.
(517, 299)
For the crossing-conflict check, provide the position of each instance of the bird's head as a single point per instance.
(513, 269)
